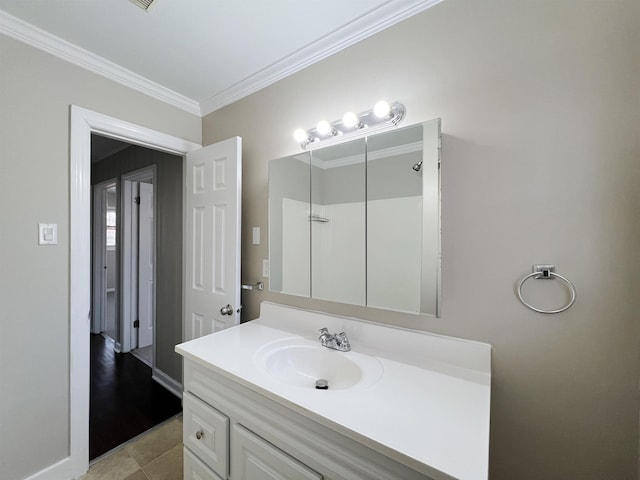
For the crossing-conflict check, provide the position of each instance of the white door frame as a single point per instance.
(147, 265)
(129, 254)
(83, 123)
(99, 284)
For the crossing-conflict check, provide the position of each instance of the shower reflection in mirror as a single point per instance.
(359, 222)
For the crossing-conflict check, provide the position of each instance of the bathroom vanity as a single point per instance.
(400, 405)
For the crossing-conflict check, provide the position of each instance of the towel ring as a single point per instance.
(546, 272)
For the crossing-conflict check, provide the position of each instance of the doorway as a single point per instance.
(143, 327)
(125, 396)
(83, 123)
(105, 260)
(138, 264)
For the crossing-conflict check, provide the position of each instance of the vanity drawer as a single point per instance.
(195, 469)
(253, 457)
(206, 434)
(198, 381)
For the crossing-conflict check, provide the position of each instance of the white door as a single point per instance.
(212, 238)
(145, 268)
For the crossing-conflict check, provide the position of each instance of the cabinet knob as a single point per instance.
(199, 434)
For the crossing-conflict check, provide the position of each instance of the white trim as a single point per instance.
(53, 472)
(128, 263)
(355, 31)
(129, 253)
(83, 123)
(370, 157)
(145, 173)
(38, 38)
(98, 256)
(394, 151)
(167, 382)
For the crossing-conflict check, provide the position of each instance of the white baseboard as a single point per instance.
(167, 382)
(58, 471)
(62, 470)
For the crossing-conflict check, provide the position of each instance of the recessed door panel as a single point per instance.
(253, 458)
(212, 238)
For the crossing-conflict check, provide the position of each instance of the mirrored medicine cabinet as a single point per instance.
(359, 222)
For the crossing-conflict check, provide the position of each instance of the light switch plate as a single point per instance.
(265, 268)
(47, 234)
(256, 236)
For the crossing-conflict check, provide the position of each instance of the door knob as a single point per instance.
(228, 310)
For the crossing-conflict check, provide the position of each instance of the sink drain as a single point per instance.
(322, 384)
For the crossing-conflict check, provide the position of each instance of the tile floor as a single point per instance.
(155, 455)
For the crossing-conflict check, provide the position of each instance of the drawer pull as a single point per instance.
(199, 434)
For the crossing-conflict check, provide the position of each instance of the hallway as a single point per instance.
(124, 400)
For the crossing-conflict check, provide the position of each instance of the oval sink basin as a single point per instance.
(300, 363)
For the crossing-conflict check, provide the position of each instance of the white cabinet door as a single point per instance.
(212, 238)
(206, 433)
(253, 458)
(194, 469)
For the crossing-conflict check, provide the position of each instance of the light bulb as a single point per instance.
(324, 127)
(382, 109)
(350, 119)
(300, 135)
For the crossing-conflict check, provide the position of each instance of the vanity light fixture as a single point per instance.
(351, 120)
(381, 117)
(301, 136)
(325, 128)
(382, 109)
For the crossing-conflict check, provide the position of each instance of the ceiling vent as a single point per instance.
(144, 4)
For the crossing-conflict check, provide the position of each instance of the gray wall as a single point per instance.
(344, 184)
(337, 185)
(36, 90)
(288, 178)
(539, 103)
(393, 177)
(168, 243)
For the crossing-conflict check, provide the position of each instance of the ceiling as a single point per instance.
(199, 55)
(103, 147)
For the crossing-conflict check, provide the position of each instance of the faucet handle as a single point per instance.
(343, 341)
(324, 337)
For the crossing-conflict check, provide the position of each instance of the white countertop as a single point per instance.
(428, 410)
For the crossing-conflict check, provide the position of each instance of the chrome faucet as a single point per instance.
(336, 341)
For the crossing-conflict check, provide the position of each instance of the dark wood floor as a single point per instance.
(124, 400)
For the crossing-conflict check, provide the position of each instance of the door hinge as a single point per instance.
(136, 200)
(136, 324)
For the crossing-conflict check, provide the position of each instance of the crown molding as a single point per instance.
(389, 14)
(38, 38)
(370, 156)
(368, 24)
